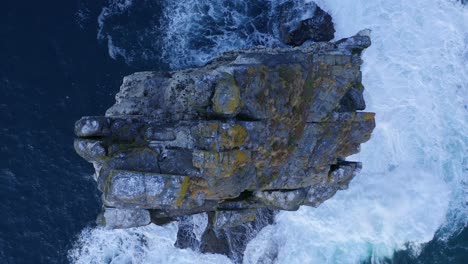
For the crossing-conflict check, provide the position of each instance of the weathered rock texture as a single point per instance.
(258, 128)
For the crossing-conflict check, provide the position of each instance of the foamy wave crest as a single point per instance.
(145, 245)
(414, 176)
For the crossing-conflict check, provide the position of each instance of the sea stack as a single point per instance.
(252, 132)
(258, 128)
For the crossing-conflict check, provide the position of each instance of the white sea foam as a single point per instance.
(414, 177)
(144, 245)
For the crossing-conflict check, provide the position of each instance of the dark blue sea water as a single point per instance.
(53, 70)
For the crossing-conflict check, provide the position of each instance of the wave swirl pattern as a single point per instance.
(414, 182)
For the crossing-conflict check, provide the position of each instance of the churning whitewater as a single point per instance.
(413, 181)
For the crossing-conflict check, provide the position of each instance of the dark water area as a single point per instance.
(454, 250)
(52, 72)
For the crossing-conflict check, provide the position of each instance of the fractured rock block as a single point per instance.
(148, 190)
(114, 218)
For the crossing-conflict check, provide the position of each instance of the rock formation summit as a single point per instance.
(258, 128)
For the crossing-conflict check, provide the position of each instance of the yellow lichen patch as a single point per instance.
(239, 158)
(369, 116)
(183, 191)
(226, 99)
(199, 186)
(233, 137)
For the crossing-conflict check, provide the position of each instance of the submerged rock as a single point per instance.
(253, 131)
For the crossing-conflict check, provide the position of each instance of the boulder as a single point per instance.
(303, 22)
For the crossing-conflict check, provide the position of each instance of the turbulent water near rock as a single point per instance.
(184, 33)
(413, 185)
(52, 70)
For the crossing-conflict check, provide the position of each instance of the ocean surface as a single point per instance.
(60, 60)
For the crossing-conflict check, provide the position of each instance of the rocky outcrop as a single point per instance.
(258, 129)
(222, 232)
(299, 22)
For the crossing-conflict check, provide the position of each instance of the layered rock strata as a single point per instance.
(259, 128)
